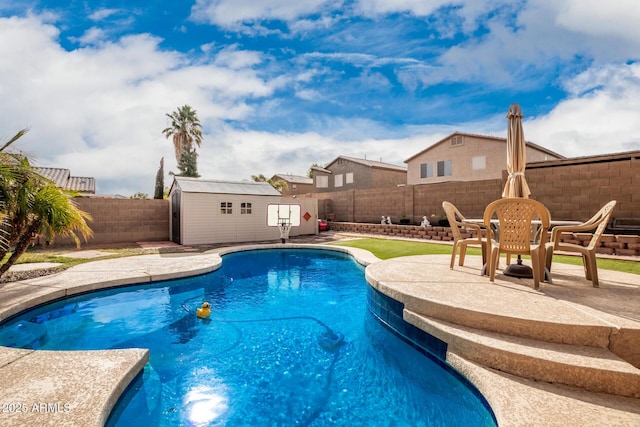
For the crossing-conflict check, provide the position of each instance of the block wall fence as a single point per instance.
(572, 189)
(123, 221)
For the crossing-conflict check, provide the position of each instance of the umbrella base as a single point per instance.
(518, 270)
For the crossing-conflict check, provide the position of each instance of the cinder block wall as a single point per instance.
(123, 220)
(573, 191)
(577, 191)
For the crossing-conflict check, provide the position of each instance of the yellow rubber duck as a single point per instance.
(204, 311)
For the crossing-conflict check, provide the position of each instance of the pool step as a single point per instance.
(591, 368)
(538, 317)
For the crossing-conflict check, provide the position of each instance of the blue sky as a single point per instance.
(281, 84)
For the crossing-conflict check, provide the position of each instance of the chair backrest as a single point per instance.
(454, 216)
(515, 216)
(600, 222)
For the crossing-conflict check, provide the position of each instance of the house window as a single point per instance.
(337, 181)
(426, 170)
(457, 141)
(349, 178)
(322, 181)
(245, 208)
(479, 162)
(226, 208)
(294, 187)
(444, 168)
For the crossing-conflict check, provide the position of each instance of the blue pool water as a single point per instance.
(289, 342)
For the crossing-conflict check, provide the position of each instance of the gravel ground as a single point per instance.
(16, 276)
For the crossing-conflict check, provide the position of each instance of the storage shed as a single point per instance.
(206, 211)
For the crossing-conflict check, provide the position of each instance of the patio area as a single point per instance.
(562, 355)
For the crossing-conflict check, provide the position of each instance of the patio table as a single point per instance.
(495, 224)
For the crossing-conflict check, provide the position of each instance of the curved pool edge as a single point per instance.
(514, 400)
(91, 382)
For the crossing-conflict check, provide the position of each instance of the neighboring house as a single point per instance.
(206, 211)
(296, 184)
(348, 173)
(62, 179)
(467, 157)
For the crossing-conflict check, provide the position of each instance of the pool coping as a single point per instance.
(66, 379)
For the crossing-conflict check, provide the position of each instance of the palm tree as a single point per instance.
(185, 129)
(31, 205)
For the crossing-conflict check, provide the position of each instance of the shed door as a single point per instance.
(175, 217)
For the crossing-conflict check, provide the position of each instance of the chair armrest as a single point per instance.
(475, 226)
(555, 232)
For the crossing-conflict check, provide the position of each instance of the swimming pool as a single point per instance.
(286, 344)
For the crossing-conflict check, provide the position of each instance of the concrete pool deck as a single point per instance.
(80, 388)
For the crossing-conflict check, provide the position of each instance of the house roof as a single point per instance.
(198, 185)
(62, 179)
(370, 163)
(598, 158)
(294, 179)
(487, 137)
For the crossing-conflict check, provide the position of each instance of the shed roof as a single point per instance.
(198, 185)
(62, 179)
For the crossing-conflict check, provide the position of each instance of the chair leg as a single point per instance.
(453, 255)
(535, 268)
(587, 266)
(593, 269)
(548, 258)
(463, 252)
(494, 256)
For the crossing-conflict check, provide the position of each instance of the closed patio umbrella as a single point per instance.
(516, 185)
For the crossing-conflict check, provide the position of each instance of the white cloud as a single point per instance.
(99, 111)
(229, 13)
(103, 13)
(417, 7)
(601, 117)
(618, 19)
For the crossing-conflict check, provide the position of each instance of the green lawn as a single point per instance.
(389, 248)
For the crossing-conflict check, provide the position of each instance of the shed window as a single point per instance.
(226, 208)
(245, 208)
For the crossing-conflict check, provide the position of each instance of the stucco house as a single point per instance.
(467, 157)
(296, 184)
(349, 173)
(207, 211)
(62, 179)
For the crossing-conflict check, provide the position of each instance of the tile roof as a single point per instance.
(62, 179)
(370, 163)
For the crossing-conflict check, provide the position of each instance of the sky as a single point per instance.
(280, 85)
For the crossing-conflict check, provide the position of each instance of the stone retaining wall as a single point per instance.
(609, 244)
